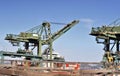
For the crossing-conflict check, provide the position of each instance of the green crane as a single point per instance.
(39, 36)
(109, 35)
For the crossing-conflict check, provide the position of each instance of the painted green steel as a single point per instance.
(112, 32)
(39, 36)
(2, 57)
(109, 35)
(13, 54)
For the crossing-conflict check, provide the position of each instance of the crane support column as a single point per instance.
(50, 51)
(117, 46)
(2, 58)
(26, 45)
(107, 45)
(39, 51)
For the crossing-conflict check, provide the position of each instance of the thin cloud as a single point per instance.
(86, 20)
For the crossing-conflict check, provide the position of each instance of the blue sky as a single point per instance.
(75, 45)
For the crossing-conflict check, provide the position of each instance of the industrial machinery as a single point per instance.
(109, 35)
(37, 37)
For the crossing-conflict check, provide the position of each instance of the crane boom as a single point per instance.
(56, 35)
(64, 30)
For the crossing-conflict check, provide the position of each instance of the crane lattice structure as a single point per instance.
(109, 35)
(39, 36)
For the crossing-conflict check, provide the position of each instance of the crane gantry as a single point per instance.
(109, 35)
(39, 36)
